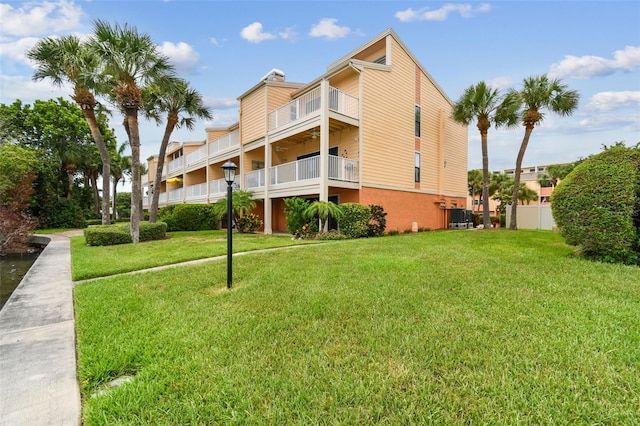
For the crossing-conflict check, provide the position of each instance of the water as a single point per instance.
(12, 268)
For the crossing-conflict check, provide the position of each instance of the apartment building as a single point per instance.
(373, 128)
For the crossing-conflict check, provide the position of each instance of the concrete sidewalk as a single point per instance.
(38, 382)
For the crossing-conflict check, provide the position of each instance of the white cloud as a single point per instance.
(327, 28)
(221, 103)
(16, 49)
(441, 14)
(184, 56)
(33, 18)
(501, 83)
(585, 67)
(607, 101)
(254, 34)
(214, 41)
(27, 90)
(288, 34)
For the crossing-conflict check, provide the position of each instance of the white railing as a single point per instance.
(343, 169)
(175, 194)
(295, 110)
(309, 103)
(225, 142)
(174, 165)
(343, 102)
(197, 155)
(254, 179)
(199, 190)
(305, 169)
(219, 186)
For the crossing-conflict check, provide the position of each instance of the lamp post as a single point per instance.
(229, 169)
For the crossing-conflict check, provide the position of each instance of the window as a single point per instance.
(417, 167)
(417, 119)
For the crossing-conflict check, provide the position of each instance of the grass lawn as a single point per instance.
(453, 327)
(91, 262)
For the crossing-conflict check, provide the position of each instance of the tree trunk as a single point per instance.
(486, 219)
(136, 190)
(90, 117)
(93, 179)
(115, 193)
(513, 224)
(172, 120)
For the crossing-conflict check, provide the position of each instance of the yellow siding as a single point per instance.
(253, 116)
(347, 82)
(387, 123)
(277, 97)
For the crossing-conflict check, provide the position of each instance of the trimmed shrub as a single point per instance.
(189, 217)
(331, 235)
(248, 223)
(597, 206)
(377, 221)
(106, 235)
(151, 231)
(355, 222)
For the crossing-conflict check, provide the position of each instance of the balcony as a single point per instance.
(309, 104)
(219, 186)
(341, 169)
(175, 165)
(223, 143)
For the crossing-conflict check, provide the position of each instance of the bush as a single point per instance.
(597, 206)
(108, 235)
(189, 217)
(355, 222)
(151, 231)
(248, 223)
(377, 221)
(294, 213)
(503, 220)
(64, 213)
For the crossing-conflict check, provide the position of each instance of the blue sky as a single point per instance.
(223, 48)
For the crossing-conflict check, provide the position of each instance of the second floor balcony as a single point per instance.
(340, 169)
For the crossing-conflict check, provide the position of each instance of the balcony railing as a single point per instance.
(254, 179)
(225, 142)
(343, 169)
(175, 194)
(199, 190)
(340, 168)
(197, 155)
(219, 186)
(174, 165)
(309, 103)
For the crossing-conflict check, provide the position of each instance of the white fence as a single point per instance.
(533, 217)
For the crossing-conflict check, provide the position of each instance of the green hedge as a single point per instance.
(189, 217)
(355, 222)
(597, 206)
(108, 235)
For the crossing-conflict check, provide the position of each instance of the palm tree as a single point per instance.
(68, 60)
(131, 60)
(242, 202)
(322, 210)
(485, 105)
(526, 194)
(182, 105)
(538, 93)
(474, 182)
(120, 168)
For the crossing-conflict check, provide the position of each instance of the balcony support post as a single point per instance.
(268, 160)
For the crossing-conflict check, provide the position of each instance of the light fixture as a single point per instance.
(229, 169)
